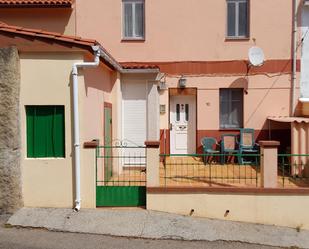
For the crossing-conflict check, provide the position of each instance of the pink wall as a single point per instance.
(182, 30)
(262, 93)
(176, 30)
(98, 86)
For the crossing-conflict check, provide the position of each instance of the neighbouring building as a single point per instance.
(171, 71)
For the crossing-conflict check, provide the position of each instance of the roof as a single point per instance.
(83, 43)
(36, 3)
(68, 42)
(289, 119)
(45, 34)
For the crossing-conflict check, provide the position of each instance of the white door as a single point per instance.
(183, 125)
(134, 122)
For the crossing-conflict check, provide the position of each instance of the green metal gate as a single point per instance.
(121, 175)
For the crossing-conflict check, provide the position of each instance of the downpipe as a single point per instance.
(75, 68)
(294, 57)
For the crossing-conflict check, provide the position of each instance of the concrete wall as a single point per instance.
(281, 210)
(10, 171)
(46, 80)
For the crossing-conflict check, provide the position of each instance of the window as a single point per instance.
(187, 112)
(177, 112)
(45, 131)
(237, 18)
(231, 108)
(133, 19)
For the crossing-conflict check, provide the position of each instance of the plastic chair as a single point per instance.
(229, 145)
(247, 144)
(209, 146)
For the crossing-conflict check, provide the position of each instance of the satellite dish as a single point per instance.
(256, 56)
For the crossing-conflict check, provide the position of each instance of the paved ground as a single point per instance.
(17, 238)
(156, 225)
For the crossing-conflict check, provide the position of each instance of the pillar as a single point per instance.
(269, 163)
(153, 163)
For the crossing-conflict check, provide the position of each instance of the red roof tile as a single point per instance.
(45, 3)
(134, 65)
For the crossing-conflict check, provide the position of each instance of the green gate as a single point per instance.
(120, 175)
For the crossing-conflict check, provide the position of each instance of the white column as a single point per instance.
(153, 112)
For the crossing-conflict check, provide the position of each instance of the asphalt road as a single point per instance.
(22, 238)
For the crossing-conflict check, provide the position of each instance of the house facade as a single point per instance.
(208, 48)
(170, 71)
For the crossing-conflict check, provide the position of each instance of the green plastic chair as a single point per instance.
(209, 147)
(229, 146)
(247, 145)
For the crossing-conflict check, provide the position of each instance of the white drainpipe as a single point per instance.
(294, 51)
(76, 121)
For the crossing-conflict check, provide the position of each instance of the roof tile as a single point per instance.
(134, 65)
(52, 3)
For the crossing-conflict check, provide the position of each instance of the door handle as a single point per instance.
(171, 126)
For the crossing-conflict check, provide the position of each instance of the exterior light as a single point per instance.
(182, 82)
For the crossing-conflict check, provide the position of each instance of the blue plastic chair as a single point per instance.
(209, 146)
(247, 145)
(229, 146)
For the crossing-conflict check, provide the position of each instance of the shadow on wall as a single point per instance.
(55, 19)
(99, 78)
(241, 82)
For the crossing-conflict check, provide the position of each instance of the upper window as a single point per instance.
(133, 19)
(237, 18)
(45, 131)
(231, 108)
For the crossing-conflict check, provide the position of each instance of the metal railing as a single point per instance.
(293, 170)
(225, 170)
(121, 166)
(215, 170)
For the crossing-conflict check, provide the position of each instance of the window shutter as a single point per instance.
(45, 131)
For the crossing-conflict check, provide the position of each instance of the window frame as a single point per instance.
(133, 37)
(237, 36)
(229, 127)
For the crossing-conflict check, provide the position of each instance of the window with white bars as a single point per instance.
(237, 18)
(133, 19)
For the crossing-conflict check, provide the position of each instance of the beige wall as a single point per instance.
(50, 19)
(281, 210)
(178, 30)
(45, 80)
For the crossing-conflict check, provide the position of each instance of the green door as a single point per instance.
(108, 162)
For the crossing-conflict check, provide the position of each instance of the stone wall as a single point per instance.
(10, 170)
